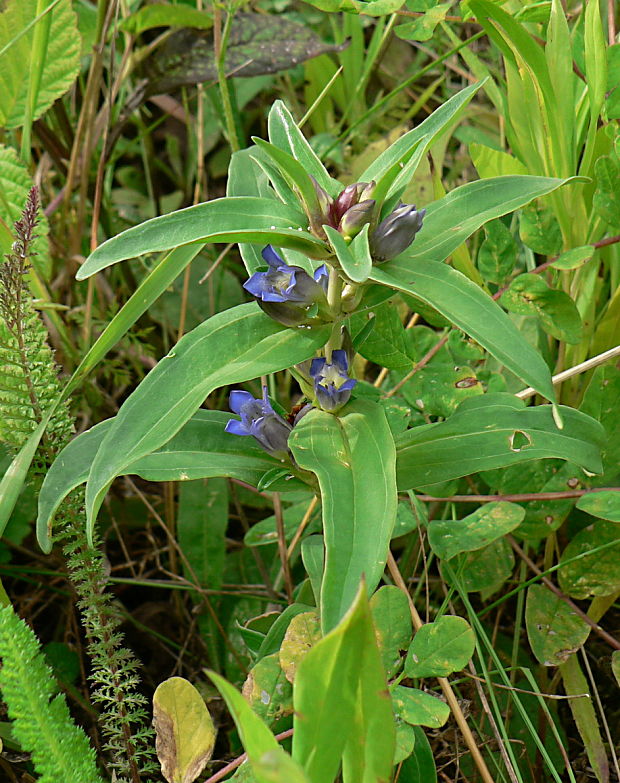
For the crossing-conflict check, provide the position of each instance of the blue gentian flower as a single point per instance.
(286, 293)
(396, 232)
(332, 385)
(259, 420)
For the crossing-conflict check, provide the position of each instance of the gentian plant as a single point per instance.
(325, 262)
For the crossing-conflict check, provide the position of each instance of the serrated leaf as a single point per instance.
(440, 648)
(605, 505)
(419, 708)
(488, 523)
(529, 294)
(15, 183)
(554, 630)
(185, 734)
(57, 71)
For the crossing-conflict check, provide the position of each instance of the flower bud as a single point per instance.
(355, 218)
(332, 385)
(396, 232)
(259, 420)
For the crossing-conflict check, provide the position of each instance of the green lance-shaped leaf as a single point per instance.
(474, 312)
(420, 766)
(200, 450)
(605, 505)
(231, 347)
(353, 458)
(488, 523)
(354, 257)
(493, 431)
(419, 708)
(284, 133)
(229, 219)
(449, 221)
(440, 648)
(185, 734)
(341, 703)
(555, 631)
(259, 743)
(422, 135)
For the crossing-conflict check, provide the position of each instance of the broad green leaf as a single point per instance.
(341, 705)
(494, 163)
(484, 433)
(584, 715)
(284, 133)
(379, 336)
(423, 135)
(150, 16)
(279, 767)
(602, 401)
(605, 505)
(438, 388)
(420, 766)
(554, 630)
(201, 449)
(353, 458)
(21, 72)
(255, 736)
(440, 648)
(498, 253)
(202, 520)
(575, 258)
(267, 690)
(405, 741)
(606, 201)
(593, 574)
(229, 219)
(484, 570)
(231, 347)
(392, 619)
(354, 258)
(559, 57)
(474, 312)
(419, 708)
(595, 57)
(303, 632)
(452, 219)
(276, 633)
(488, 523)
(423, 28)
(313, 557)
(185, 734)
(540, 230)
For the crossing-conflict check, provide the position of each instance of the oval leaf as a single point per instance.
(440, 648)
(185, 734)
(605, 505)
(419, 708)
(554, 630)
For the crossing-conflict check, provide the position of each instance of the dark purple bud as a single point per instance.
(259, 420)
(286, 293)
(396, 232)
(332, 385)
(355, 218)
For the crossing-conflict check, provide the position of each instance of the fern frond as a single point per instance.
(41, 720)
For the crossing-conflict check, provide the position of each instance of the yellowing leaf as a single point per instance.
(184, 729)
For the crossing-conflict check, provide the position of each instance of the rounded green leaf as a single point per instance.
(440, 648)
(419, 708)
(392, 618)
(303, 632)
(597, 571)
(555, 631)
(488, 523)
(267, 689)
(185, 734)
(605, 505)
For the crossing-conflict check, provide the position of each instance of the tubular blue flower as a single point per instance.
(259, 420)
(287, 293)
(332, 385)
(395, 232)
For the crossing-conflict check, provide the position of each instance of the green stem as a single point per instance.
(334, 296)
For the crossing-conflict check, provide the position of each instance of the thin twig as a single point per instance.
(518, 497)
(422, 363)
(288, 581)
